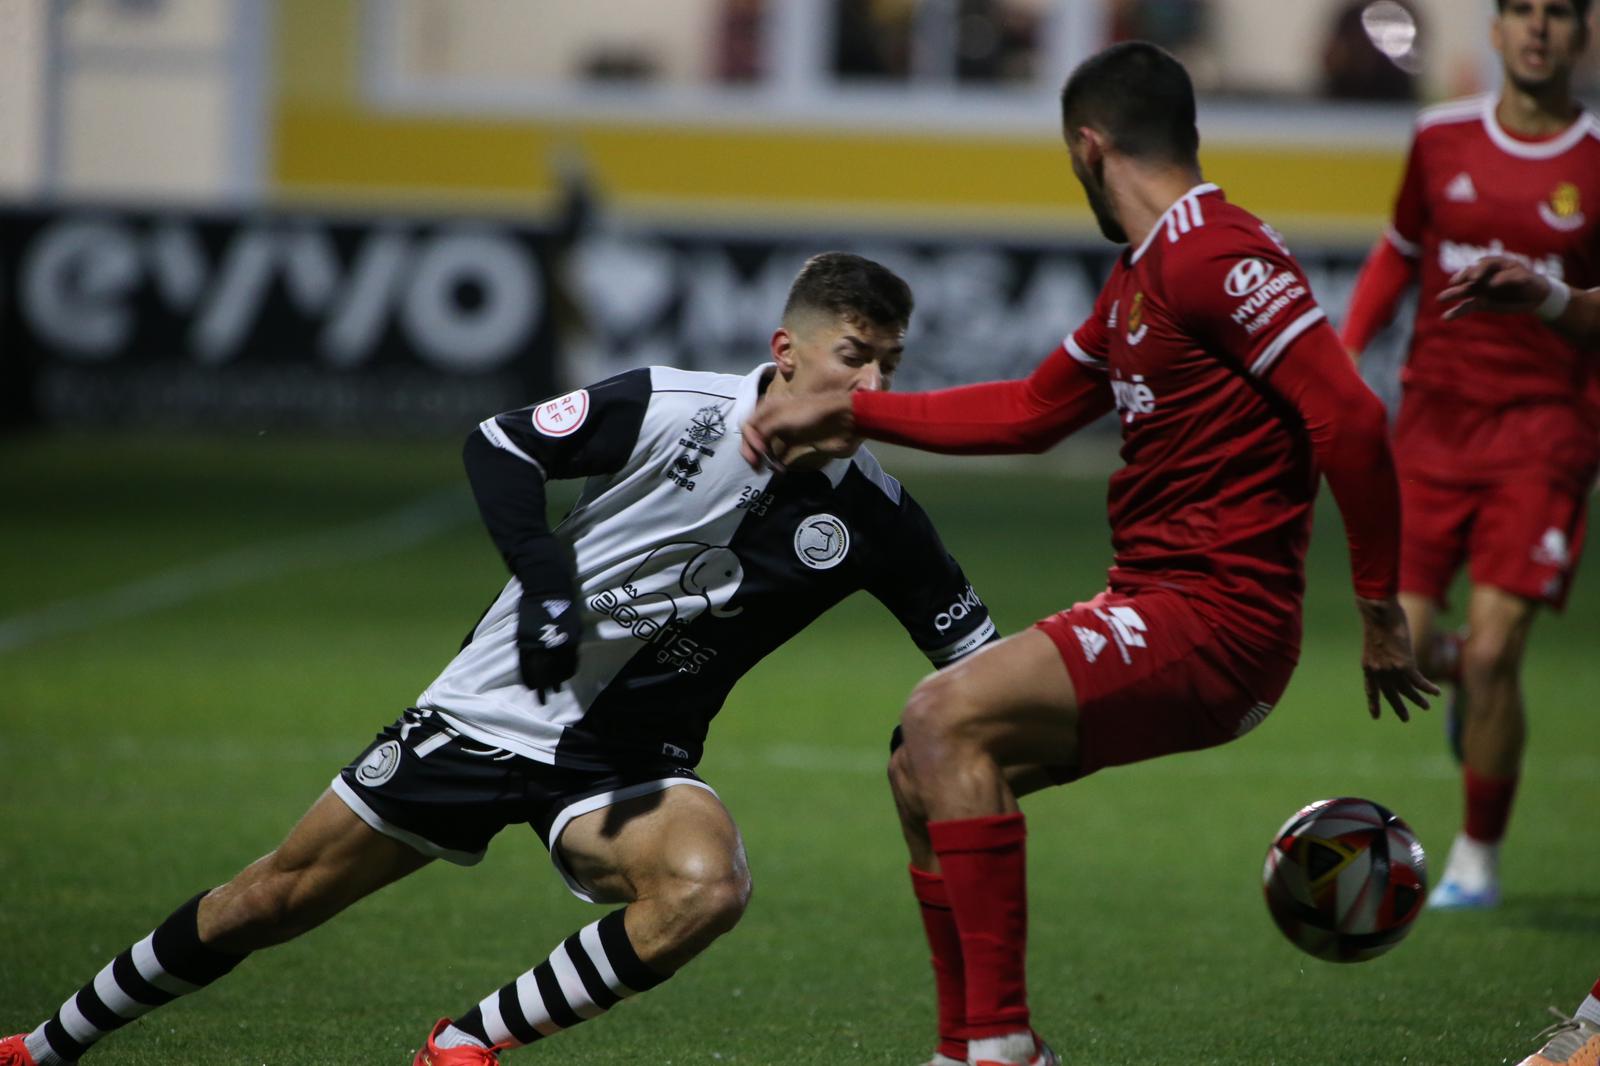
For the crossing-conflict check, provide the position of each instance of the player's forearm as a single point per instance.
(1349, 434)
(992, 418)
(1360, 471)
(1383, 280)
(510, 494)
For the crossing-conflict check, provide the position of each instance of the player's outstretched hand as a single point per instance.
(548, 631)
(1494, 284)
(1388, 662)
(782, 425)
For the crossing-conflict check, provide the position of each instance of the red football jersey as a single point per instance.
(1216, 491)
(1471, 190)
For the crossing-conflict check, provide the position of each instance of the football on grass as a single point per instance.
(1345, 879)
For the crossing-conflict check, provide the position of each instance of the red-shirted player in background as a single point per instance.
(1234, 397)
(1495, 442)
(1507, 287)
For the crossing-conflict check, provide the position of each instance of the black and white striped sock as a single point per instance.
(589, 973)
(168, 963)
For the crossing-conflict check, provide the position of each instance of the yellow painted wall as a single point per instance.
(330, 144)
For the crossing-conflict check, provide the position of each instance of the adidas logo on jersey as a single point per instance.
(1461, 190)
(1092, 643)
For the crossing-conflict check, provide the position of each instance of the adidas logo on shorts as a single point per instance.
(1092, 643)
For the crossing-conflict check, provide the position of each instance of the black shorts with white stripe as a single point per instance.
(447, 795)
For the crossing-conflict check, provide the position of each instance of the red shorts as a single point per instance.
(1521, 535)
(1153, 677)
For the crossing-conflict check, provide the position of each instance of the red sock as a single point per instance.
(949, 980)
(1595, 991)
(1488, 805)
(985, 875)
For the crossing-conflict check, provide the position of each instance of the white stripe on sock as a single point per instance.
(77, 1026)
(528, 997)
(116, 1000)
(589, 937)
(572, 985)
(494, 1026)
(149, 967)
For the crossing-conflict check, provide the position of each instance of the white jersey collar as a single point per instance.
(1545, 149)
(1204, 188)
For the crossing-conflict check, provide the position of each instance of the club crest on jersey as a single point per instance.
(821, 541)
(562, 416)
(708, 426)
(1564, 209)
(380, 764)
(1136, 324)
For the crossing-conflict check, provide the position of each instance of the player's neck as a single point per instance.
(1544, 113)
(1141, 194)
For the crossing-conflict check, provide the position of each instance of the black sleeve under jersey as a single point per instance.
(923, 586)
(509, 457)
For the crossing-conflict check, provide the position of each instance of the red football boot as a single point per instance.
(430, 1054)
(13, 1052)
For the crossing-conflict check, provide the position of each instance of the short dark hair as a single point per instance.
(852, 287)
(1580, 6)
(1140, 96)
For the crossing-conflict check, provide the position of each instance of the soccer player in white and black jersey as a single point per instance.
(580, 700)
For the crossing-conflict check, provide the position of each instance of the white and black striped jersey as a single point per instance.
(690, 567)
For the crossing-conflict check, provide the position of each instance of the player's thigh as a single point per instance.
(1529, 538)
(1437, 520)
(1421, 613)
(329, 860)
(644, 845)
(1153, 676)
(1014, 699)
(1498, 625)
(335, 847)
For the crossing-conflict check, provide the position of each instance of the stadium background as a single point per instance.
(262, 262)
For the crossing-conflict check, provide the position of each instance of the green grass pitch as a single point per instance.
(289, 598)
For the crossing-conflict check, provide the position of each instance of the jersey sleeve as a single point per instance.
(923, 586)
(584, 433)
(1090, 343)
(1242, 295)
(1410, 216)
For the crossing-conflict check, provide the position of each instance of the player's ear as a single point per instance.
(782, 345)
(1092, 146)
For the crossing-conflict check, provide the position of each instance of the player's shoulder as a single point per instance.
(1452, 117)
(863, 471)
(668, 381)
(1204, 226)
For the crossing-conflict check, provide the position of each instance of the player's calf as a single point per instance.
(170, 962)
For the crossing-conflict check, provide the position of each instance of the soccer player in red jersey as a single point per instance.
(1505, 286)
(1234, 397)
(1496, 442)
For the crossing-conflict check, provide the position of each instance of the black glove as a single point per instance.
(548, 631)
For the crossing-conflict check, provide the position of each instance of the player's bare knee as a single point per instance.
(933, 713)
(1491, 657)
(902, 785)
(706, 895)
